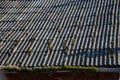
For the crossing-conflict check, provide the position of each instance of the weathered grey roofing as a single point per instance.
(109, 69)
(87, 29)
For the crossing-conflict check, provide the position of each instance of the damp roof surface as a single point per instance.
(60, 32)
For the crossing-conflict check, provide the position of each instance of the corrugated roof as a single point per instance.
(60, 32)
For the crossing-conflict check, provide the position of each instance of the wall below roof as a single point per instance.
(63, 76)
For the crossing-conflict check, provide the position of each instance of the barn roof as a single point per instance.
(60, 32)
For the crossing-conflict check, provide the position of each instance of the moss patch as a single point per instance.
(49, 69)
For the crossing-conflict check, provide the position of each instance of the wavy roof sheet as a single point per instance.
(60, 32)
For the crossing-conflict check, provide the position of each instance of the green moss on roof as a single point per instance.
(49, 69)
